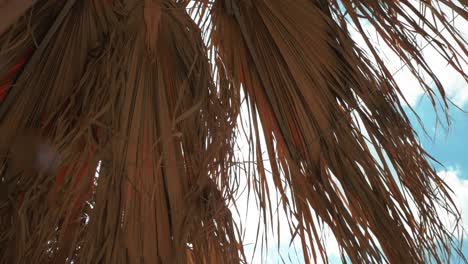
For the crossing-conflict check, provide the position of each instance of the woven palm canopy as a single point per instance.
(120, 120)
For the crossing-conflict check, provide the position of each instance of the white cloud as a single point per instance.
(455, 86)
(459, 186)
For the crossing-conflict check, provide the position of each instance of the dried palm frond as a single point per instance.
(153, 96)
(309, 83)
(152, 115)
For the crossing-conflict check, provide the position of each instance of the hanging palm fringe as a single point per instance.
(148, 92)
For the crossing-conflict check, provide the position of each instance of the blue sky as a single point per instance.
(449, 147)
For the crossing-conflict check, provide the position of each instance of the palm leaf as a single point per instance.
(310, 84)
(152, 91)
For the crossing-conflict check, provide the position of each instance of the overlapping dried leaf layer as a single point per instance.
(131, 88)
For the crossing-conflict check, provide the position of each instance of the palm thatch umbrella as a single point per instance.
(149, 92)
